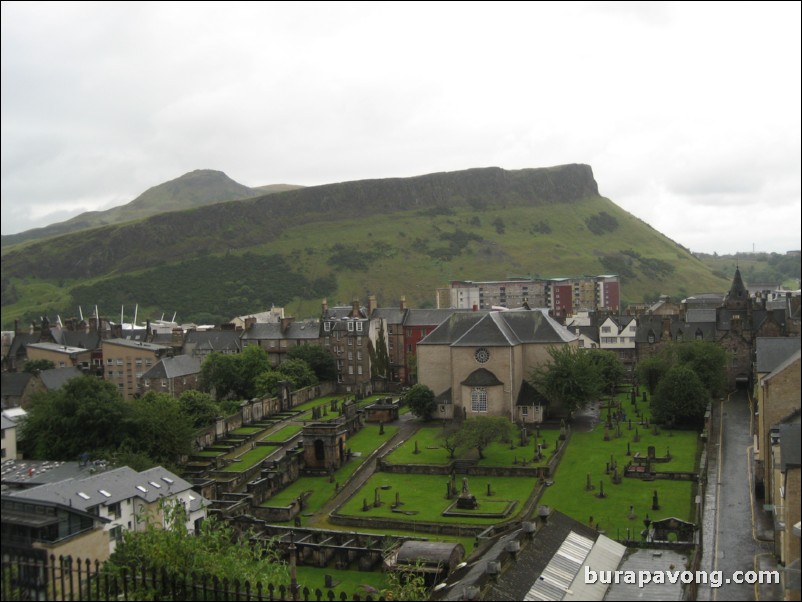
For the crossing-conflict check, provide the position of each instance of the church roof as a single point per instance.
(481, 377)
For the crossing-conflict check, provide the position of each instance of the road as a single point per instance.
(734, 538)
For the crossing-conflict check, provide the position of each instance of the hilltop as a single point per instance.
(388, 237)
(194, 189)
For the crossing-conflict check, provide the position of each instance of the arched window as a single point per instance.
(479, 399)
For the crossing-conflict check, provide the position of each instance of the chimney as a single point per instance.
(355, 308)
(371, 305)
(403, 304)
(325, 307)
(475, 307)
(249, 321)
(285, 324)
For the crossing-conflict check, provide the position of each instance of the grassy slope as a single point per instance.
(404, 268)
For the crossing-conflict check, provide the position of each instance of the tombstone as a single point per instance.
(563, 430)
(397, 498)
(515, 460)
(365, 506)
(297, 521)
(644, 396)
(589, 487)
(629, 451)
(601, 493)
(489, 490)
(325, 411)
(606, 432)
(524, 437)
(616, 476)
(636, 438)
(539, 452)
(377, 501)
(630, 424)
(617, 429)
(632, 515)
(381, 430)
(328, 581)
(633, 397)
(449, 491)
(668, 453)
(466, 501)
(650, 453)
(331, 474)
(607, 468)
(417, 451)
(655, 501)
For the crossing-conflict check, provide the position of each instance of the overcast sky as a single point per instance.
(689, 114)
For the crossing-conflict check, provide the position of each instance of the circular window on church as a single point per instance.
(482, 355)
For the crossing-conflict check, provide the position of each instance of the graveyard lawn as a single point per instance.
(362, 444)
(430, 450)
(588, 453)
(250, 458)
(283, 434)
(425, 496)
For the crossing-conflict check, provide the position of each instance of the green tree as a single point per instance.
(481, 431)
(250, 363)
(321, 361)
(87, 414)
(267, 383)
(300, 373)
(609, 368)
(219, 376)
(680, 398)
(161, 430)
(36, 366)
(421, 402)
(570, 379)
(216, 551)
(651, 370)
(199, 407)
(708, 360)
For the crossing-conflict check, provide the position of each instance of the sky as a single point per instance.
(688, 113)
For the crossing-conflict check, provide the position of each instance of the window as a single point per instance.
(699, 335)
(350, 369)
(350, 356)
(679, 336)
(479, 399)
(359, 369)
(359, 326)
(350, 341)
(524, 410)
(359, 355)
(326, 326)
(350, 327)
(605, 329)
(359, 341)
(110, 361)
(650, 337)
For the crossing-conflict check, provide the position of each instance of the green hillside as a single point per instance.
(385, 237)
(194, 189)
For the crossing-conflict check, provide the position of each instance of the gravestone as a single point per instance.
(466, 501)
(650, 453)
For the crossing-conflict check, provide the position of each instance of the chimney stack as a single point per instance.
(325, 307)
(371, 305)
(403, 304)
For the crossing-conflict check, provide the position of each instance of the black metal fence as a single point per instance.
(33, 575)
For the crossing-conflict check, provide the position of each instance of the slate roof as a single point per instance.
(529, 396)
(13, 383)
(120, 484)
(790, 441)
(271, 331)
(430, 317)
(444, 397)
(215, 340)
(55, 378)
(590, 332)
(770, 352)
(701, 315)
(481, 377)
(499, 328)
(21, 341)
(33, 473)
(174, 367)
(77, 338)
(784, 365)
(393, 315)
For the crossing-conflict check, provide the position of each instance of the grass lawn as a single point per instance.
(425, 494)
(209, 454)
(247, 430)
(250, 458)
(283, 433)
(588, 453)
(430, 451)
(363, 442)
(349, 580)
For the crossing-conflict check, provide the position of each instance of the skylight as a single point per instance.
(142, 489)
(167, 480)
(104, 492)
(156, 485)
(83, 495)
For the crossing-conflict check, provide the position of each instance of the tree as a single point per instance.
(161, 430)
(609, 368)
(36, 366)
(268, 382)
(481, 431)
(251, 363)
(215, 552)
(680, 398)
(571, 379)
(86, 414)
(708, 360)
(651, 370)
(450, 441)
(199, 407)
(421, 402)
(321, 361)
(219, 376)
(300, 373)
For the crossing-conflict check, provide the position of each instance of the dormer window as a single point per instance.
(650, 337)
(327, 326)
(350, 327)
(359, 326)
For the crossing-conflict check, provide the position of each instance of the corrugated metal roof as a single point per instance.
(606, 555)
(556, 578)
